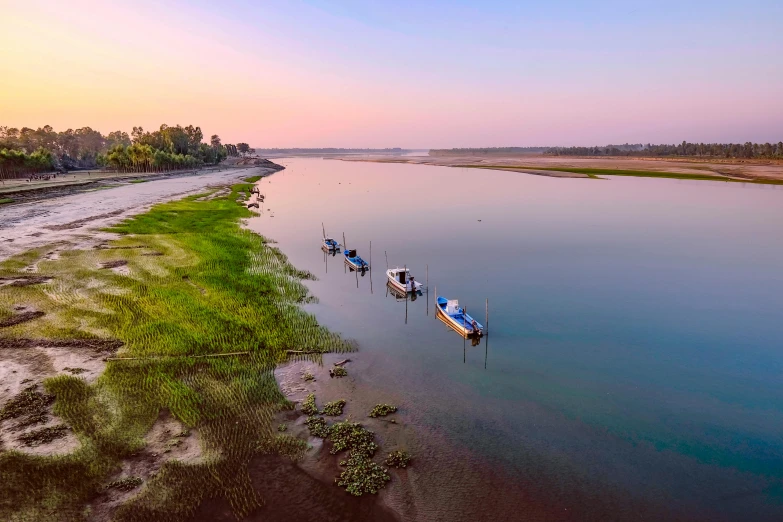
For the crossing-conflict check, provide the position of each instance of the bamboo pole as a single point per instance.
(175, 356)
(406, 294)
(428, 289)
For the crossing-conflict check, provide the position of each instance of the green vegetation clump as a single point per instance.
(282, 427)
(308, 405)
(4, 201)
(398, 459)
(308, 376)
(362, 475)
(318, 427)
(125, 484)
(339, 371)
(382, 410)
(352, 436)
(334, 408)
(202, 327)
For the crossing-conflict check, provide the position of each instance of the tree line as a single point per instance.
(747, 150)
(28, 151)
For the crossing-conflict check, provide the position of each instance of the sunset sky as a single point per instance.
(408, 74)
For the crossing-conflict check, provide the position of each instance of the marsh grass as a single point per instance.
(215, 289)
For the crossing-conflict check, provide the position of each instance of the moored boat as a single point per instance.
(453, 315)
(402, 280)
(354, 260)
(330, 245)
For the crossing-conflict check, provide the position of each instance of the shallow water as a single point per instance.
(633, 367)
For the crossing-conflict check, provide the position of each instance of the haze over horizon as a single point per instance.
(321, 73)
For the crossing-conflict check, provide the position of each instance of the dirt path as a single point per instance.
(74, 219)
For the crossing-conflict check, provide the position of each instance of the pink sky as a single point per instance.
(275, 76)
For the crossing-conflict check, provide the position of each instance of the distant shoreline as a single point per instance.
(736, 171)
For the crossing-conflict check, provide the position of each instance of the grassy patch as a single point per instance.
(138, 181)
(214, 289)
(3, 201)
(252, 179)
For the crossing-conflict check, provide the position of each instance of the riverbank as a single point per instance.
(138, 365)
(560, 166)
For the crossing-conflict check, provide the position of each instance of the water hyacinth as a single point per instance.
(334, 408)
(398, 459)
(382, 410)
(308, 405)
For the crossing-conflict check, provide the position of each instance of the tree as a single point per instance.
(215, 140)
(243, 148)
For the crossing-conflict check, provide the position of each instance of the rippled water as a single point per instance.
(634, 367)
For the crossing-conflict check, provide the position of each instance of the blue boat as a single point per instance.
(453, 315)
(355, 261)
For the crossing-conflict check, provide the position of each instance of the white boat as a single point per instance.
(402, 280)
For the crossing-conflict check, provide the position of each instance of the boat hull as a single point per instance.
(462, 324)
(403, 287)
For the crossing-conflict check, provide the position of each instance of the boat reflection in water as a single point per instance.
(399, 295)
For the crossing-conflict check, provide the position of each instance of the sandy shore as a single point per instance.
(529, 163)
(74, 221)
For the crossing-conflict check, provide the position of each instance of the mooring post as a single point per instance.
(406, 293)
(486, 318)
(428, 289)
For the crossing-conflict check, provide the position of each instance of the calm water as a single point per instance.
(634, 368)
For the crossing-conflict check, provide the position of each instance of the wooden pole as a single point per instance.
(345, 246)
(323, 228)
(435, 313)
(486, 318)
(371, 267)
(387, 259)
(406, 294)
(428, 290)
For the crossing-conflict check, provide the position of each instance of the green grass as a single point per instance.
(3, 201)
(253, 179)
(595, 173)
(138, 181)
(216, 289)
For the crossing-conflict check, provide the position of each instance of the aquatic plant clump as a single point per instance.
(318, 427)
(308, 405)
(362, 475)
(398, 459)
(339, 371)
(282, 427)
(308, 376)
(382, 410)
(334, 408)
(352, 436)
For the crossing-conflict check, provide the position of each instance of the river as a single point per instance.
(633, 366)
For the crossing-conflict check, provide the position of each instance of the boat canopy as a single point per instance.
(452, 306)
(352, 253)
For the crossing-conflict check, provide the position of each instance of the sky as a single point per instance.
(324, 73)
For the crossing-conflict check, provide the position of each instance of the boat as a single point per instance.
(455, 316)
(402, 280)
(330, 245)
(355, 261)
